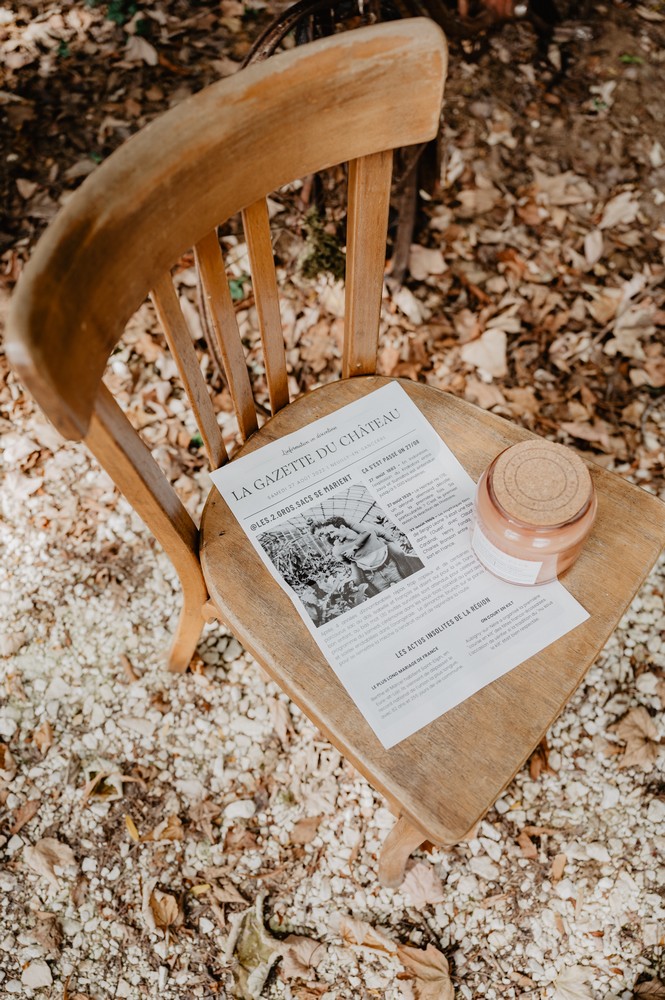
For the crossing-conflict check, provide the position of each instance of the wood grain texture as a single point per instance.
(120, 450)
(256, 224)
(366, 233)
(180, 344)
(219, 305)
(448, 774)
(219, 151)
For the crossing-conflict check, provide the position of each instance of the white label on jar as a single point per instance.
(498, 562)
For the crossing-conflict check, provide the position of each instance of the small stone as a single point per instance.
(656, 811)
(240, 809)
(611, 796)
(10, 644)
(484, 867)
(575, 791)
(492, 848)
(232, 651)
(123, 989)
(162, 949)
(598, 852)
(15, 844)
(143, 727)
(37, 974)
(206, 926)
(647, 683)
(7, 727)
(565, 889)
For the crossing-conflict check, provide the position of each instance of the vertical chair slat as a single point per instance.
(225, 328)
(256, 223)
(179, 339)
(366, 231)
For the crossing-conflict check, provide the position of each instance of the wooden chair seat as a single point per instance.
(447, 775)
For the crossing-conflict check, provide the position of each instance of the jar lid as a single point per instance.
(541, 483)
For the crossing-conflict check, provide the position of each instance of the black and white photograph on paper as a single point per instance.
(339, 553)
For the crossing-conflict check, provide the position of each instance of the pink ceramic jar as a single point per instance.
(535, 505)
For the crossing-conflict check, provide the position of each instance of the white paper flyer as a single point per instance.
(363, 517)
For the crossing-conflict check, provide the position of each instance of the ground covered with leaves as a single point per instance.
(195, 836)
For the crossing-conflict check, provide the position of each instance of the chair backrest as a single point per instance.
(351, 98)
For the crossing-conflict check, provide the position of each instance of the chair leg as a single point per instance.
(402, 840)
(188, 631)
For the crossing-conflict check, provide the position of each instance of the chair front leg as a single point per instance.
(188, 632)
(400, 843)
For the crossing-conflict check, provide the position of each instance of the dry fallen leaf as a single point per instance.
(139, 49)
(281, 719)
(47, 854)
(202, 815)
(43, 737)
(26, 188)
(654, 371)
(483, 394)
(639, 733)
(593, 247)
(620, 209)
(488, 353)
(521, 979)
(539, 761)
(170, 828)
(103, 785)
(596, 433)
(424, 261)
(165, 909)
(309, 991)
(226, 892)
(558, 866)
(477, 201)
(131, 829)
(253, 950)
(430, 970)
(300, 955)
(7, 763)
(654, 989)
(25, 812)
(527, 846)
(304, 831)
(422, 886)
(359, 932)
(14, 686)
(130, 674)
(47, 933)
(200, 888)
(561, 189)
(571, 984)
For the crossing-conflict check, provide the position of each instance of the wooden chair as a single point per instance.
(350, 98)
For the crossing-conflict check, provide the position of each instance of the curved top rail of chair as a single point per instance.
(339, 98)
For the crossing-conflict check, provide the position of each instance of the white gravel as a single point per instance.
(85, 585)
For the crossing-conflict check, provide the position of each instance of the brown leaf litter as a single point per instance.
(46, 855)
(643, 746)
(426, 969)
